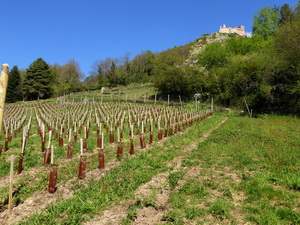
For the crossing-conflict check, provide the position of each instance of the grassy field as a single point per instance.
(246, 172)
(226, 169)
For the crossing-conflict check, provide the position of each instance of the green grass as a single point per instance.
(255, 158)
(249, 170)
(174, 177)
(220, 209)
(120, 183)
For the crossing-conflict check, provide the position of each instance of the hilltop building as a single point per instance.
(240, 30)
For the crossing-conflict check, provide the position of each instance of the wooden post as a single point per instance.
(168, 100)
(212, 104)
(155, 98)
(248, 109)
(10, 190)
(180, 101)
(3, 88)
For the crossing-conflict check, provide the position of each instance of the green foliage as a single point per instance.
(214, 55)
(14, 92)
(66, 78)
(287, 42)
(180, 81)
(38, 80)
(266, 22)
(286, 14)
(173, 82)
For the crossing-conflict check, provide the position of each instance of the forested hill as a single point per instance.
(262, 70)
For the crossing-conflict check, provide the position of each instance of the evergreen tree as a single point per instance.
(38, 79)
(112, 74)
(14, 86)
(286, 14)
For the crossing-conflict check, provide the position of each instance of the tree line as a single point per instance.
(262, 70)
(41, 81)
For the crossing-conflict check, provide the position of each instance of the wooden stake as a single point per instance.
(50, 136)
(52, 155)
(70, 135)
(131, 127)
(81, 146)
(10, 191)
(3, 88)
(102, 141)
(180, 101)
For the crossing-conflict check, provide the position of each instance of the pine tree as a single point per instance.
(112, 74)
(14, 92)
(38, 80)
(286, 14)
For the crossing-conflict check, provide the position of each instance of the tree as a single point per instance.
(266, 22)
(111, 74)
(287, 42)
(214, 55)
(173, 82)
(14, 92)
(285, 77)
(297, 11)
(286, 14)
(67, 77)
(38, 81)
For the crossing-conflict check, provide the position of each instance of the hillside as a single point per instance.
(198, 46)
(181, 164)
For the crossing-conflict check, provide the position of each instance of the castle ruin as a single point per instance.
(240, 30)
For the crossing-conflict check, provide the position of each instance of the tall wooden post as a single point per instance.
(3, 88)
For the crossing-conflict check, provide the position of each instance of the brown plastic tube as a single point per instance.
(20, 164)
(131, 147)
(101, 159)
(142, 141)
(119, 151)
(43, 146)
(85, 146)
(151, 138)
(82, 167)
(6, 148)
(111, 138)
(61, 141)
(70, 151)
(52, 179)
(47, 156)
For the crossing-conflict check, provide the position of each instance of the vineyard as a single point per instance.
(53, 144)
(125, 156)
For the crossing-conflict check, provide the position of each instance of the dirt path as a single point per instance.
(157, 186)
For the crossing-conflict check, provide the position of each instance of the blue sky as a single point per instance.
(90, 30)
